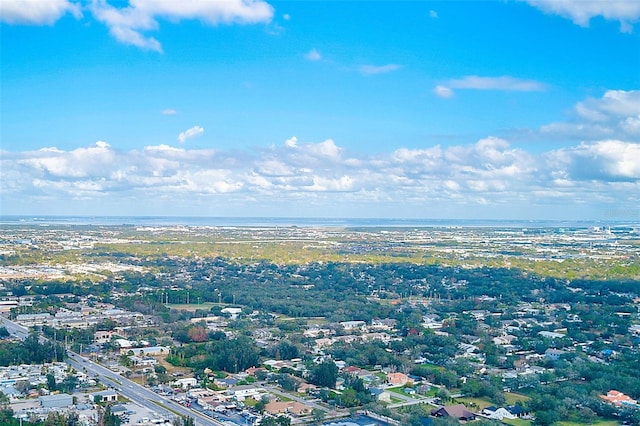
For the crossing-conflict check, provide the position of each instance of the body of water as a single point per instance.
(300, 221)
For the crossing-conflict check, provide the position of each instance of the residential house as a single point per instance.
(398, 379)
(226, 382)
(352, 325)
(380, 395)
(518, 411)
(552, 354)
(618, 398)
(498, 413)
(306, 388)
(458, 411)
(383, 324)
(287, 407)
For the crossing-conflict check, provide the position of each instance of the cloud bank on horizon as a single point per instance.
(488, 173)
(313, 123)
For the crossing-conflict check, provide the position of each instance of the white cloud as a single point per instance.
(609, 160)
(292, 142)
(378, 69)
(488, 173)
(313, 55)
(286, 17)
(443, 91)
(36, 12)
(327, 148)
(168, 111)
(322, 184)
(163, 148)
(612, 103)
(78, 163)
(433, 14)
(190, 133)
(128, 24)
(127, 35)
(615, 115)
(474, 82)
(581, 12)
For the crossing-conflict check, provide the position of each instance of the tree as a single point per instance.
(325, 374)
(278, 421)
(68, 384)
(4, 333)
(286, 350)
(443, 394)
(22, 386)
(287, 382)
(545, 418)
(55, 419)
(348, 398)
(259, 407)
(318, 415)
(184, 421)
(198, 334)
(51, 382)
(446, 421)
(107, 418)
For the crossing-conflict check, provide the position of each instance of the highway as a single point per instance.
(14, 329)
(125, 387)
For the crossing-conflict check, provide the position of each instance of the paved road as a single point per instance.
(13, 328)
(131, 390)
(139, 394)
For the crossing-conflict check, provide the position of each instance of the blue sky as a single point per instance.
(445, 109)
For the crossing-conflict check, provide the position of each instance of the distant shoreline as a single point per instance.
(307, 222)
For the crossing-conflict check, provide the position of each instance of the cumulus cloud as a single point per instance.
(489, 172)
(581, 12)
(292, 142)
(609, 160)
(313, 55)
(78, 163)
(378, 69)
(474, 82)
(36, 12)
(615, 115)
(190, 133)
(129, 24)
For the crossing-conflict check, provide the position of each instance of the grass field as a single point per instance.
(192, 307)
(512, 398)
(517, 422)
(475, 402)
